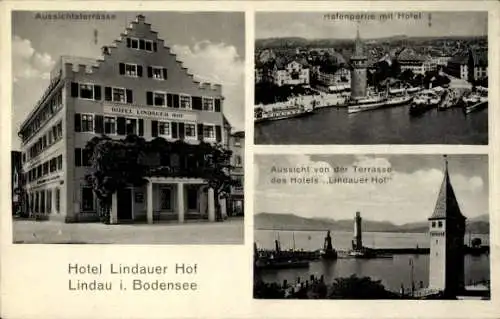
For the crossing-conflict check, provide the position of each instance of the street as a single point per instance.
(191, 233)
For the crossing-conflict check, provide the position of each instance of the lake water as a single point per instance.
(383, 126)
(392, 272)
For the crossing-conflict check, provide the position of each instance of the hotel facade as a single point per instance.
(138, 88)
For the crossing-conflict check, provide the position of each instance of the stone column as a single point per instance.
(54, 200)
(149, 202)
(211, 205)
(114, 209)
(180, 202)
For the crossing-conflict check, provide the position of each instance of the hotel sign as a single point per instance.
(148, 112)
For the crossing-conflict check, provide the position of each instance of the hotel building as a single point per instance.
(136, 87)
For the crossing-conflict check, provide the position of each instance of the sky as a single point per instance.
(211, 45)
(409, 196)
(312, 25)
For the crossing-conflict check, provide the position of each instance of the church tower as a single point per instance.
(447, 231)
(358, 70)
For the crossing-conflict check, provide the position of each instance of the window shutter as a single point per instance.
(128, 43)
(78, 122)
(74, 89)
(155, 47)
(141, 127)
(139, 70)
(196, 103)
(154, 128)
(120, 126)
(176, 101)
(200, 132)
(98, 124)
(174, 130)
(170, 100)
(218, 133)
(107, 94)
(78, 157)
(150, 72)
(122, 68)
(97, 92)
(149, 98)
(164, 73)
(217, 105)
(142, 44)
(181, 130)
(130, 98)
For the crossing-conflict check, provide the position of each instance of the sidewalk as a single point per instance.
(199, 233)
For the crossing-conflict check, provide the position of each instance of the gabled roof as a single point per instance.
(446, 205)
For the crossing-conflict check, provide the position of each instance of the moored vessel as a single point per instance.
(423, 102)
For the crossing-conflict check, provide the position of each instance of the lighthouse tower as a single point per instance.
(358, 72)
(357, 243)
(447, 231)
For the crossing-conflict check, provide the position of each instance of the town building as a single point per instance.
(409, 60)
(447, 231)
(470, 65)
(16, 181)
(236, 200)
(342, 76)
(137, 88)
(358, 63)
(294, 72)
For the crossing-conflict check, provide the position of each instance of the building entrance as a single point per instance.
(124, 204)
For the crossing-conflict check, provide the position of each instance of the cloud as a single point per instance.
(27, 63)
(407, 197)
(218, 63)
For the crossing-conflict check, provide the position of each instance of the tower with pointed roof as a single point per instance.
(358, 69)
(447, 231)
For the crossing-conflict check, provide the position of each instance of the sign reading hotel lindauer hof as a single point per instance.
(155, 113)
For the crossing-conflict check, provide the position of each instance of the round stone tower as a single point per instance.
(358, 70)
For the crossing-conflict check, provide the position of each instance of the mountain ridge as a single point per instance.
(263, 221)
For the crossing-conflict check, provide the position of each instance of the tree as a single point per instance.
(116, 164)
(354, 287)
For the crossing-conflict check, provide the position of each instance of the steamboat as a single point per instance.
(423, 102)
(476, 100)
(285, 110)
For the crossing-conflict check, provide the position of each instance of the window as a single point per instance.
(238, 160)
(190, 130)
(149, 45)
(59, 130)
(164, 129)
(87, 91)
(131, 70)
(160, 99)
(131, 126)
(53, 165)
(209, 131)
(440, 224)
(237, 141)
(87, 123)
(192, 199)
(48, 203)
(166, 199)
(86, 157)
(87, 199)
(185, 101)
(433, 224)
(59, 162)
(119, 95)
(109, 125)
(158, 73)
(208, 104)
(45, 168)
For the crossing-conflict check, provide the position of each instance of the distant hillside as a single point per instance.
(478, 225)
(294, 42)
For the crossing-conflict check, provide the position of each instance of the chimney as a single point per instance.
(105, 50)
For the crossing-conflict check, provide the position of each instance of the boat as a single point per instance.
(282, 112)
(372, 103)
(423, 102)
(281, 264)
(476, 100)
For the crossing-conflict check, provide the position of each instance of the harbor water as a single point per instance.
(391, 271)
(394, 125)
